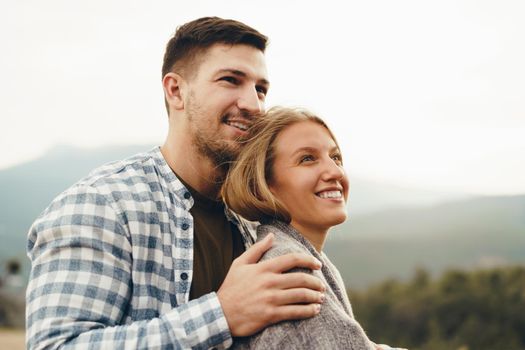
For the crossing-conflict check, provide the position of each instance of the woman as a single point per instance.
(290, 177)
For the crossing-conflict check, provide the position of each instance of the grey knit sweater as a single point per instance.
(333, 328)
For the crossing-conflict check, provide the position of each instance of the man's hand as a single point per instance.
(255, 295)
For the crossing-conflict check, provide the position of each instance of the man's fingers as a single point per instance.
(298, 280)
(294, 312)
(256, 251)
(297, 296)
(254, 295)
(292, 260)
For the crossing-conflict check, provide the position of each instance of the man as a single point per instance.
(139, 254)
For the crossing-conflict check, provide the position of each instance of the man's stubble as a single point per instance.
(207, 139)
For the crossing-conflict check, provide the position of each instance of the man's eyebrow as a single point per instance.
(241, 74)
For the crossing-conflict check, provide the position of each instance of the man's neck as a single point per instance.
(196, 170)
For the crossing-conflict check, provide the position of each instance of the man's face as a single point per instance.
(225, 95)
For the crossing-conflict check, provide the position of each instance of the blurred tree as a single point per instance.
(460, 310)
(12, 294)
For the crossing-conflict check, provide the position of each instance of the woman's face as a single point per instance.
(308, 177)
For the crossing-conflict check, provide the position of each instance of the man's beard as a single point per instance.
(220, 152)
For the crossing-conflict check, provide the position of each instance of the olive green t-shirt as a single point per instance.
(216, 242)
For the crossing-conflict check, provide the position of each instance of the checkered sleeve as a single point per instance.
(81, 284)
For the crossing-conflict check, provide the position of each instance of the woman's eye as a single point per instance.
(307, 158)
(337, 158)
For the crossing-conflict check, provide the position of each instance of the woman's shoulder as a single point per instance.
(283, 242)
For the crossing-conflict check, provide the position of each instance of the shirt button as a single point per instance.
(187, 195)
(184, 276)
(185, 226)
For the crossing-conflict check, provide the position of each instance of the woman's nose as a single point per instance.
(333, 170)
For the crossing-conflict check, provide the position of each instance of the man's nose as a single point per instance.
(250, 101)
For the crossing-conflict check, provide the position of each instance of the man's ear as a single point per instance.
(173, 85)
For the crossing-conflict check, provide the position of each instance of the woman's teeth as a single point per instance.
(330, 194)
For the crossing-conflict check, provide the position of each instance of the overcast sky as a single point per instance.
(427, 94)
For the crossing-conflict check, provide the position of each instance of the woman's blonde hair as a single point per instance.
(246, 188)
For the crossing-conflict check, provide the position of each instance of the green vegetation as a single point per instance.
(483, 309)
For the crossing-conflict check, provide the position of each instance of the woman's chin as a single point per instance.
(340, 219)
(337, 220)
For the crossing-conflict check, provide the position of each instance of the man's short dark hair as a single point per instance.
(194, 37)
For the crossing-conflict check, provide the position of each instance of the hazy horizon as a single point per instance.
(420, 94)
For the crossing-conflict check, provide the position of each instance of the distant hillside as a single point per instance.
(369, 197)
(28, 188)
(380, 240)
(481, 232)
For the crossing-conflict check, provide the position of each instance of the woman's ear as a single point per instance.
(271, 187)
(173, 85)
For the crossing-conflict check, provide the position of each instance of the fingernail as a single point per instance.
(319, 263)
(317, 308)
(321, 297)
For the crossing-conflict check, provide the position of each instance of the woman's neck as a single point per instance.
(315, 235)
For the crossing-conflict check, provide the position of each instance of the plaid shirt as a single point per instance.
(112, 261)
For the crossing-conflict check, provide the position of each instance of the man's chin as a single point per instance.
(224, 156)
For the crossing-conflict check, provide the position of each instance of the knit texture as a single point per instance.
(333, 328)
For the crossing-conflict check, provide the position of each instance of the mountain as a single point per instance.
(369, 197)
(390, 231)
(474, 233)
(27, 189)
